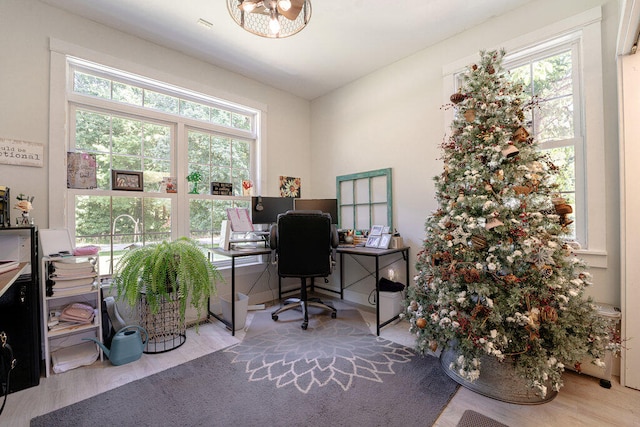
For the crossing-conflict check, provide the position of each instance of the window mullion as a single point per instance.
(180, 165)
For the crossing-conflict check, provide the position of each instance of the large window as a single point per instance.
(130, 123)
(551, 80)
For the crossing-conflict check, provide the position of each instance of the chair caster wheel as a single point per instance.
(304, 325)
(334, 314)
(274, 317)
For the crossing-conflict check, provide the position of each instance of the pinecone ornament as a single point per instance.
(457, 98)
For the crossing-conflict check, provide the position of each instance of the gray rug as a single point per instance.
(335, 373)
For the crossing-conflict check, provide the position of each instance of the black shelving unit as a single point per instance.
(20, 311)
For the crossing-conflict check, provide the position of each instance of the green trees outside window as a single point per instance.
(131, 123)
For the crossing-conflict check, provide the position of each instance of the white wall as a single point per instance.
(26, 27)
(392, 118)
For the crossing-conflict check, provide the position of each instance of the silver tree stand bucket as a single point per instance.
(497, 380)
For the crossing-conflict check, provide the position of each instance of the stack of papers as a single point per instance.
(69, 269)
(68, 278)
(8, 265)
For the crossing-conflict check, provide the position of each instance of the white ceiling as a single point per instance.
(345, 39)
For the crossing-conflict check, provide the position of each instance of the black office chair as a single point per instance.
(304, 242)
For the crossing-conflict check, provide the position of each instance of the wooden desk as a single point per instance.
(233, 254)
(376, 253)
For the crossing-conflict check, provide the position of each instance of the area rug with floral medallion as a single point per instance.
(334, 373)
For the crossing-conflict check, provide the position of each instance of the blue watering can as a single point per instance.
(126, 346)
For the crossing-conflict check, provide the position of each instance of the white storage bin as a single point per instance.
(390, 305)
(607, 311)
(241, 307)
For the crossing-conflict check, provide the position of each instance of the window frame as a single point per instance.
(571, 42)
(351, 202)
(63, 101)
(586, 27)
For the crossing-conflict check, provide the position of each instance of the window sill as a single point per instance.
(593, 258)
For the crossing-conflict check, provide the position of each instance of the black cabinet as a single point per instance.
(20, 306)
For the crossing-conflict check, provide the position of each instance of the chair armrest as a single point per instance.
(273, 236)
(335, 240)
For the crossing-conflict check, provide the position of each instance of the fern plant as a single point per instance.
(157, 271)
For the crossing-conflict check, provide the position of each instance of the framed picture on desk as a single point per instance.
(376, 230)
(373, 241)
(385, 239)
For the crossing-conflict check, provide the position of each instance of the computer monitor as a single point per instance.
(265, 210)
(329, 206)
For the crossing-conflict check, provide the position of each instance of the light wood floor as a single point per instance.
(581, 402)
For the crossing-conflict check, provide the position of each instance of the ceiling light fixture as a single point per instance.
(271, 18)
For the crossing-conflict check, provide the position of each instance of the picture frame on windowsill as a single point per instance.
(126, 180)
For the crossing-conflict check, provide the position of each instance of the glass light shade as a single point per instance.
(274, 24)
(284, 5)
(248, 6)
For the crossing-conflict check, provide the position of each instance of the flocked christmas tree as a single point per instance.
(494, 275)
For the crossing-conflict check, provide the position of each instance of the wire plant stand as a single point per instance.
(166, 331)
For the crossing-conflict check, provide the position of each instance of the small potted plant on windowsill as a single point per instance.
(174, 272)
(194, 178)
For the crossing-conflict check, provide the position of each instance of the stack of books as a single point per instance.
(69, 278)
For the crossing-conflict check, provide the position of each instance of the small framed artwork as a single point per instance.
(385, 239)
(126, 180)
(376, 230)
(221, 189)
(386, 229)
(372, 241)
(247, 187)
(169, 184)
(81, 170)
(290, 186)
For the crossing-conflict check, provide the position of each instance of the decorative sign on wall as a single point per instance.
(21, 153)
